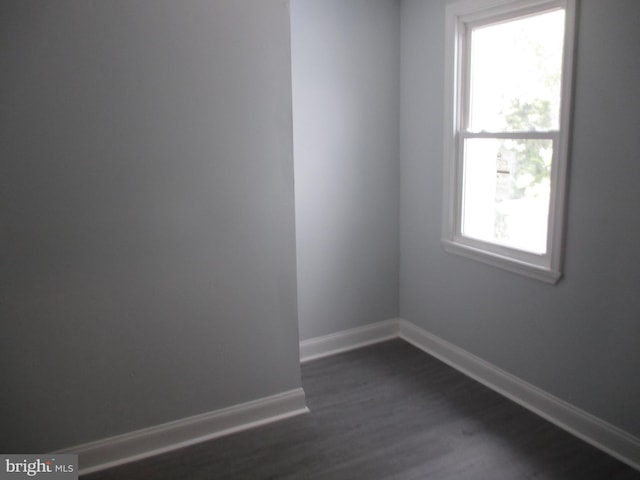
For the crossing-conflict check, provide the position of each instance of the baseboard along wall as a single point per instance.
(583, 425)
(346, 340)
(129, 447)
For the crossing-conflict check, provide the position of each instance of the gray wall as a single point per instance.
(346, 70)
(147, 245)
(580, 339)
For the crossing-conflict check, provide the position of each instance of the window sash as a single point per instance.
(517, 135)
(496, 248)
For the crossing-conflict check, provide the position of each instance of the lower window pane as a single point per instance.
(506, 189)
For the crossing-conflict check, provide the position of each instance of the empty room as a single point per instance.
(320, 239)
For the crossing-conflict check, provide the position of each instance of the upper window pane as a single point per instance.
(515, 74)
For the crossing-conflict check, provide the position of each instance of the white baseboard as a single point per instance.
(147, 442)
(348, 340)
(589, 428)
(159, 439)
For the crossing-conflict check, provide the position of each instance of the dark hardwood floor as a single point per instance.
(389, 411)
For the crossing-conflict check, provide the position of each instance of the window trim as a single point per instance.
(459, 15)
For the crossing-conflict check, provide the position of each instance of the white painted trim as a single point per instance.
(543, 274)
(133, 446)
(348, 340)
(583, 425)
(129, 447)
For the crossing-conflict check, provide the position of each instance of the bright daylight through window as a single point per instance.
(507, 113)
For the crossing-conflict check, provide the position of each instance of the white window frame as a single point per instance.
(459, 16)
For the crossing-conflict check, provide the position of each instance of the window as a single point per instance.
(508, 87)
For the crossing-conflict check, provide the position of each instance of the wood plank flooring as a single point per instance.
(389, 411)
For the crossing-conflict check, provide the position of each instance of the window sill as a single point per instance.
(537, 272)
